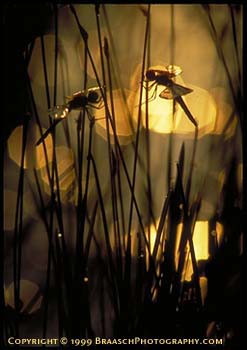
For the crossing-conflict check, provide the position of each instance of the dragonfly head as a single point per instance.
(151, 74)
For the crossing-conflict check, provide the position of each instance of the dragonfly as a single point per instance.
(78, 101)
(172, 90)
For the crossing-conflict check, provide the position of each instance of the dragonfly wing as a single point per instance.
(179, 90)
(57, 111)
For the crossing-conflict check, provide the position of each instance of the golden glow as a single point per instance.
(176, 70)
(201, 247)
(34, 156)
(200, 240)
(66, 172)
(28, 291)
(203, 108)
(223, 114)
(151, 239)
(160, 111)
(178, 238)
(41, 150)
(219, 233)
(221, 179)
(15, 148)
(224, 111)
(153, 234)
(94, 48)
(122, 121)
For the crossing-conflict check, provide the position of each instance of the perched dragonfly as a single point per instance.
(78, 101)
(172, 90)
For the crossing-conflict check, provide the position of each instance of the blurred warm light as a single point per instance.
(201, 246)
(178, 238)
(43, 149)
(219, 233)
(95, 51)
(160, 111)
(224, 111)
(221, 177)
(179, 34)
(66, 172)
(227, 120)
(203, 108)
(150, 234)
(34, 156)
(30, 296)
(124, 129)
(152, 238)
(200, 240)
(15, 148)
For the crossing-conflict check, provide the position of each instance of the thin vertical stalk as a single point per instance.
(192, 165)
(147, 134)
(107, 239)
(112, 174)
(80, 143)
(170, 137)
(56, 54)
(223, 60)
(84, 34)
(45, 72)
(110, 155)
(128, 251)
(234, 34)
